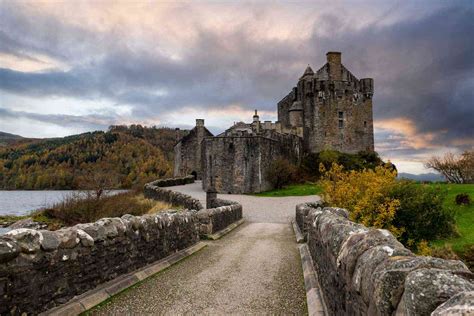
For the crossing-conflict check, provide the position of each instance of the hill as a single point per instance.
(428, 177)
(122, 157)
(7, 139)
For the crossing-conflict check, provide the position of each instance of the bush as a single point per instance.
(365, 194)
(89, 208)
(412, 212)
(462, 199)
(362, 160)
(280, 173)
(445, 252)
(421, 213)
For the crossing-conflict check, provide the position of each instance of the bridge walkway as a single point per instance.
(255, 269)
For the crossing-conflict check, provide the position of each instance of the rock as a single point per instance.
(27, 223)
(359, 242)
(460, 304)
(50, 241)
(9, 249)
(337, 211)
(96, 231)
(67, 238)
(109, 227)
(86, 239)
(27, 239)
(426, 289)
(363, 278)
(389, 278)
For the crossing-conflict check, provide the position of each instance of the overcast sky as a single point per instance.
(75, 66)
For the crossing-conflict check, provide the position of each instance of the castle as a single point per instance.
(328, 109)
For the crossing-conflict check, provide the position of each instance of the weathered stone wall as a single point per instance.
(155, 190)
(187, 152)
(324, 95)
(238, 164)
(42, 269)
(366, 271)
(222, 214)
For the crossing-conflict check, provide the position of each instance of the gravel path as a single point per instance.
(256, 269)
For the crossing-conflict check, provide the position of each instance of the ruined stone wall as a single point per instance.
(42, 269)
(239, 164)
(366, 271)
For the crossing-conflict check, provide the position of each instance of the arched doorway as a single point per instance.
(194, 174)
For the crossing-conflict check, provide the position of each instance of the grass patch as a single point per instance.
(464, 215)
(85, 209)
(293, 190)
(7, 220)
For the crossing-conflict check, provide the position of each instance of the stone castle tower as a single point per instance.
(329, 109)
(333, 108)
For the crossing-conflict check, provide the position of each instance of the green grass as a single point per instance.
(293, 190)
(464, 217)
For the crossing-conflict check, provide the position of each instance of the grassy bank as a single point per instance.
(79, 209)
(293, 190)
(464, 215)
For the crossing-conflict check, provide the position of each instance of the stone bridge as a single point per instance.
(257, 268)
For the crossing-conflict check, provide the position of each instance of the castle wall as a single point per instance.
(187, 152)
(238, 164)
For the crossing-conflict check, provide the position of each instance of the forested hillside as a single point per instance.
(122, 157)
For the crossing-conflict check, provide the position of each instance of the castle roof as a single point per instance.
(307, 72)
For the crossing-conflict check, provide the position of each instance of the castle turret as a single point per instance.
(335, 65)
(296, 114)
(256, 122)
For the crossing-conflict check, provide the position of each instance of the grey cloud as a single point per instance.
(422, 68)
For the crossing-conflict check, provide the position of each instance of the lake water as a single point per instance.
(23, 202)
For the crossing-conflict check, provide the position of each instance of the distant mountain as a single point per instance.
(431, 177)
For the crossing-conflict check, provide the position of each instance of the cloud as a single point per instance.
(161, 60)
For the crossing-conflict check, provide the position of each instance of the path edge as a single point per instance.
(314, 297)
(94, 297)
(224, 231)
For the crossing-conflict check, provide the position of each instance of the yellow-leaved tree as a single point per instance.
(365, 194)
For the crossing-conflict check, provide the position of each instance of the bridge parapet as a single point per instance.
(366, 271)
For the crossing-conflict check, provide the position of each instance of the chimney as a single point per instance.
(335, 66)
(199, 123)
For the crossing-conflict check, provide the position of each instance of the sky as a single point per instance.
(68, 67)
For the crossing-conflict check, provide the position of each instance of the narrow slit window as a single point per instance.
(365, 123)
(341, 124)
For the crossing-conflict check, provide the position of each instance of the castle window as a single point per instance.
(341, 124)
(341, 119)
(341, 115)
(365, 123)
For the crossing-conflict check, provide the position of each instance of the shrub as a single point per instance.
(412, 212)
(310, 163)
(462, 199)
(280, 173)
(445, 252)
(421, 213)
(84, 209)
(365, 194)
